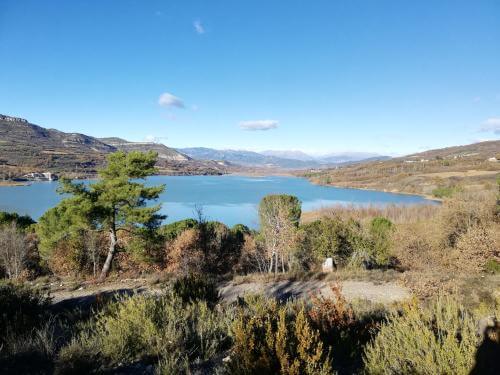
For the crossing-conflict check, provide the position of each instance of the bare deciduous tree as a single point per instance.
(279, 217)
(13, 250)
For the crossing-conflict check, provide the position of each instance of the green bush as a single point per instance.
(492, 266)
(196, 288)
(148, 329)
(22, 222)
(445, 191)
(380, 230)
(332, 237)
(439, 339)
(170, 231)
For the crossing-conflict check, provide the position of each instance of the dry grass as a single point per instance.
(421, 174)
(398, 214)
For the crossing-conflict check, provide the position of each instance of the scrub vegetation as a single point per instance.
(110, 230)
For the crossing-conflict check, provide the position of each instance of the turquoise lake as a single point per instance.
(229, 199)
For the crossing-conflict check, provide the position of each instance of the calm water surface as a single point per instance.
(230, 199)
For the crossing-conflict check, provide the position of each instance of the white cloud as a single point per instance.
(259, 125)
(198, 27)
(491, 125)
(168, 100)
(476, 99)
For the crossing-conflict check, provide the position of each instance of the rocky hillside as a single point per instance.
(26, 147)
(474, 166)
(474, 151)
(164, 152)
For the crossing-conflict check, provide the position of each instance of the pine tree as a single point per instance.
(117, 201)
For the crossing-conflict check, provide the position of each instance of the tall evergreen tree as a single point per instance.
(117, 201)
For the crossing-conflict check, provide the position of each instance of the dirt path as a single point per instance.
(378, 293)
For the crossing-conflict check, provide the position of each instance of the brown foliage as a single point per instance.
(184, 253)
(415, 247)
(81, 254)
(253, 256)
(475, 247)
(465, 211)
(328, 313)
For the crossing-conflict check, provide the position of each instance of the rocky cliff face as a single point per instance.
(12, 119)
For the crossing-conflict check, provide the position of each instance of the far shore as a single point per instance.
(13, 183)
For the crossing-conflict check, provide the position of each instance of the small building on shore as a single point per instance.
(36, 176)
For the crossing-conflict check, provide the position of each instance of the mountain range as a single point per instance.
(26, 147)
(279, 159)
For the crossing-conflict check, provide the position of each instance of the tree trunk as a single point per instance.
(271, 263)
(111, 253)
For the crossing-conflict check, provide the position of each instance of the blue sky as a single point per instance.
(391, 77)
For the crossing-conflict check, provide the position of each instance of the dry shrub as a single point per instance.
(463, 212)
(184, 254)
(210, 248)
(328, 313)
(415, 247)
(462, 236)
(130, 266)
(253, 257)
(476, 247)
(345, 329)
(64, 258)
(80, 254)
(271, 339)
(13, 250)
(425, 284)
(398, 214)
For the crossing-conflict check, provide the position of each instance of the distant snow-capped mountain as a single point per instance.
(277, 158)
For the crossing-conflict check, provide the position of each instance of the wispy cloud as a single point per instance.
(259, 125)
(198, 27)
(168, 100)
(476, 99)
(491, 125)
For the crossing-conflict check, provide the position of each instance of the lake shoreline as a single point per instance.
(231, 199)
(9, 183)
(426, 196)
